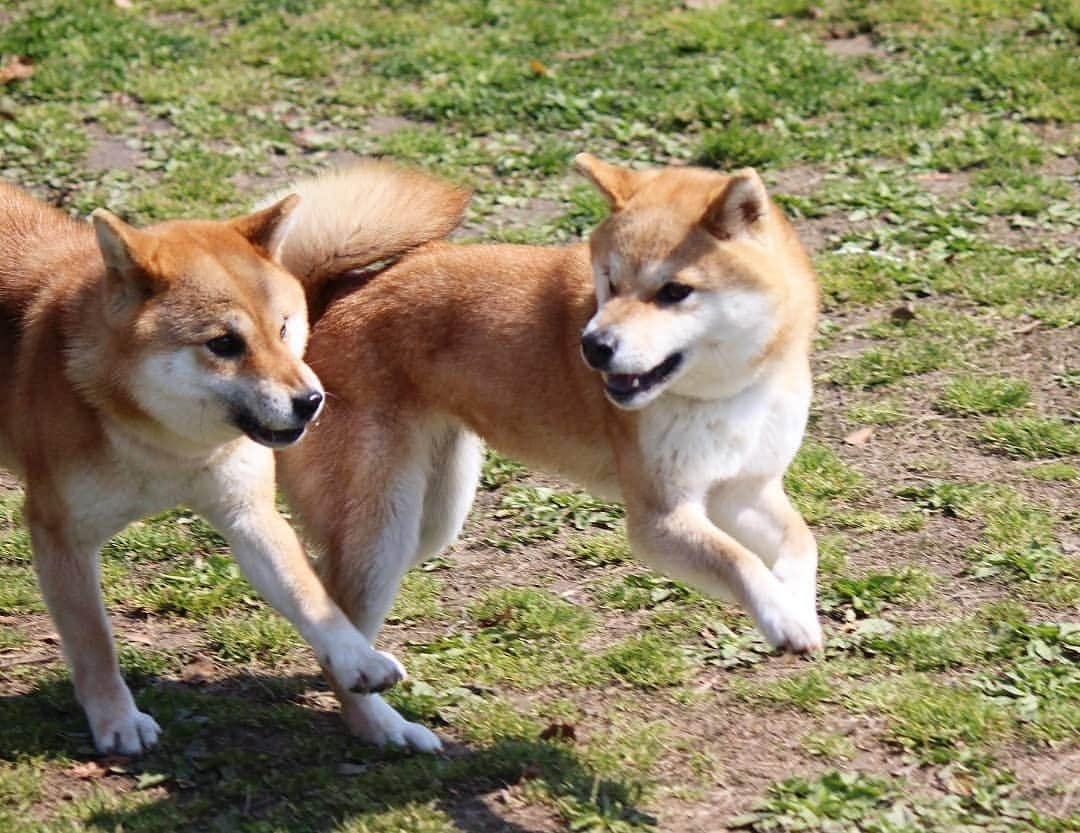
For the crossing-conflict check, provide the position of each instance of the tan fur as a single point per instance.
(456, 340)
(115, 407)
(338, 228)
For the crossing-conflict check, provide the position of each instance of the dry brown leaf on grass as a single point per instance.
(904, 313)
(198, 672)
(860, 437)
(88, 771)
(559, 731)
(18, 68)
(500, 618)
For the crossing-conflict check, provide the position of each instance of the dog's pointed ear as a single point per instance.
(615, 183)
(128, 253)
(740, 207)
(268, 227)
(127, 250)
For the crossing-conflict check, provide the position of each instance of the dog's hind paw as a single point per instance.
(130, 735)
(374, 721)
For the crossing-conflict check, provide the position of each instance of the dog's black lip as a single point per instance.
(621, 387)
(273, 438)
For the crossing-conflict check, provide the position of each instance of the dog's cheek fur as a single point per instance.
(180, 392)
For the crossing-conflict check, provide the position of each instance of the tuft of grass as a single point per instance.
(870, 594)
(1054, 472)
(200, 588)
(518, 635)
(930, 647)
(979, 798)
(646, 661)
(10, 638)
(18, 590)
(1018, 539)
(817, 478)
(934, 721)
(257, 637)
(644, 591)
(829, 745)
(974, 396)
(417, 600)
(1038, 677)
(526, 614)
(885, 365)
(1031, 438)
(498, 470)
(885, 412)
(607, 549)
(537, 513)
(804, 692)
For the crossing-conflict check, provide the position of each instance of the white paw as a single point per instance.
(129, 734)
(360, 668)
(789, 624)
(374, 721)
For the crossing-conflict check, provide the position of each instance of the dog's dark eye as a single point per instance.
(672, 292)
(228, 346)
(283, 333)
(612, 292)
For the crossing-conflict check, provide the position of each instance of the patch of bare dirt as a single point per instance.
(534, 213)
(798, 180)
(944, 184)
(821, 233)
(110, 153)
(384, 125)
(856, 46)
(1006, 231)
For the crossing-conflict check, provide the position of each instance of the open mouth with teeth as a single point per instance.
(270, 437)
(624, 387)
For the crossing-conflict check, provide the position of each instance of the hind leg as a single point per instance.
(452, 470)
(456, 460)
(388, 521)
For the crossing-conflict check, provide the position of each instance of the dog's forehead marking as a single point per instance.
(653, 271)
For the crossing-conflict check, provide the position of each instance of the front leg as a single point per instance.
(69, 576)
(760, 516)
(681, 540)
(270, 555)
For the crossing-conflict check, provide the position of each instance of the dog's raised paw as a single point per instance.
(130, 735)
(791, 629)
(380, 672)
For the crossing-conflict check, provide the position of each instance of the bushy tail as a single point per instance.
(364, 213)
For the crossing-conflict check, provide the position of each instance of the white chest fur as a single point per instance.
(694, 444)
(134, 481)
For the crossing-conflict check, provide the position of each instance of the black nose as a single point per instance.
(306, 405)
(596, 350)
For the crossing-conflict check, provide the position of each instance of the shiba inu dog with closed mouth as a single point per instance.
(145, 368)
(666, 364)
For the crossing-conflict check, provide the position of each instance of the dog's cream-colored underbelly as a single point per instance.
(592, 469)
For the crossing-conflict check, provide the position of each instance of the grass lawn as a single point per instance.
(926, 152)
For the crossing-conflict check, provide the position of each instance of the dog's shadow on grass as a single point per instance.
(241, 754)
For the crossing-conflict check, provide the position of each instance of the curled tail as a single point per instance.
(364, 213)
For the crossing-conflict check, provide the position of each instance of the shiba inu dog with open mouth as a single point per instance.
(666, 364)
(145, 368)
